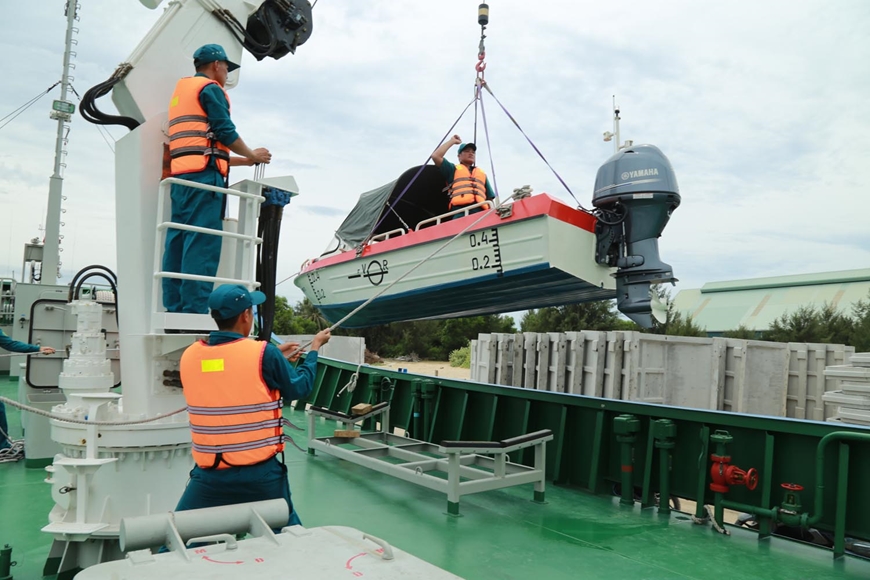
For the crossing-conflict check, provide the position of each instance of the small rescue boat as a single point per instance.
(532, 252)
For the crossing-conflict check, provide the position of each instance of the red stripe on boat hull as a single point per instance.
(531, 207)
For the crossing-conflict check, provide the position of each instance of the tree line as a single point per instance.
(436, 339)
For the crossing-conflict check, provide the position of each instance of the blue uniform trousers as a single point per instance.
(217, 487)
(191, 252)
(4, 443)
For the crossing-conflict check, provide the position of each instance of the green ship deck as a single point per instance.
(500, 535)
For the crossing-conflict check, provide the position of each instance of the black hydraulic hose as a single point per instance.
(89, 272)
(92, 114)
(269, 230)
(111, 284)
(260, 51)
(90, 275)
(72, 285)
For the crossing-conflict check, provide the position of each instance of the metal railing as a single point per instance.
(388, 235)
(246, 237)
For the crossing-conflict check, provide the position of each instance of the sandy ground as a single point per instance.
(428, 367)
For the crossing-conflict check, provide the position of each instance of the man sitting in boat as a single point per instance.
(466, 184)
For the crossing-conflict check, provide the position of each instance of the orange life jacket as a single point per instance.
(468, 186)
(191, 141)
(235, 418)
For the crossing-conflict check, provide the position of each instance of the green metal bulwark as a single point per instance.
(585, 454)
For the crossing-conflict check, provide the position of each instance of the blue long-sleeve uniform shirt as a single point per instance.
(217, 109)
(293, 382)
(15, 346)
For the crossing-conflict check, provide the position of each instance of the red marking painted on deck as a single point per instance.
(220, 562)
(347, 564)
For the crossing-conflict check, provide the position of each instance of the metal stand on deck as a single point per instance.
(466, 463)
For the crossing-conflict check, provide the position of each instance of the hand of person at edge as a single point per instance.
(289, 347)
(261, 155)
(46, 350)
(321, 338)
(455, 140)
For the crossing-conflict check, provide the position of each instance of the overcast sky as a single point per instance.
(761, 107)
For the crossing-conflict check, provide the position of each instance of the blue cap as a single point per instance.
(464, 146)
(212, 53)
(231, 300)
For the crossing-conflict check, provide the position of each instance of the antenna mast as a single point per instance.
(608, 136)
(61, 111)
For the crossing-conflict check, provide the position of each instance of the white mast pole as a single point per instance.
(63, 114)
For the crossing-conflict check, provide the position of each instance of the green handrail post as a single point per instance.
(842, 491)
(428, 393)
(664, 432)
(417, 421)
(626, 427)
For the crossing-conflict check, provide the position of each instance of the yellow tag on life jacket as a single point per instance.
(215, 365)
(174, 101)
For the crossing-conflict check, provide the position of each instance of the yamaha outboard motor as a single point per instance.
(635, 193)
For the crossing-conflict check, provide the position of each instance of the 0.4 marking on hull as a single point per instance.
(486, 239)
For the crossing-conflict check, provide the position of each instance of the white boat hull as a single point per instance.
(543, 255)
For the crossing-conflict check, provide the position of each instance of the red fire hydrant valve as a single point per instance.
(724, 475)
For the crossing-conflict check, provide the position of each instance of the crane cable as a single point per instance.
(483, 20)
(413, 179)
(535, 147)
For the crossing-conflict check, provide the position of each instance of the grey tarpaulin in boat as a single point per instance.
(424, 199)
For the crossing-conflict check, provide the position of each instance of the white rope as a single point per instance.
(39, 353)
(13, 453)
(36, 411)
(351, 384)
(710, 518)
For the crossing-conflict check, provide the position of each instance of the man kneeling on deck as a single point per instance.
(233, 386)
